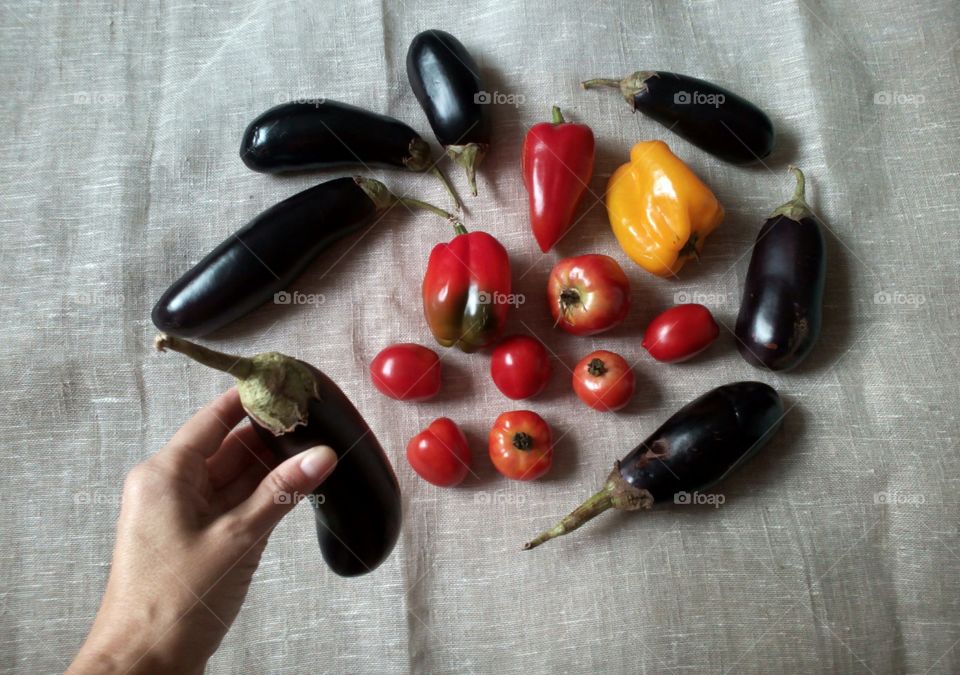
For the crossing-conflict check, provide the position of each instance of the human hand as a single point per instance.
(194, 521)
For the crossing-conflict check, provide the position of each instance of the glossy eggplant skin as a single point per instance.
(303, 136)
(714, 119)
(446, 81)
(704, 440)
(781, 311)
(358, 507)
(263, 258)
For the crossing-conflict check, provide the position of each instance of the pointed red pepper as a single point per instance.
(557, 164)
(466, 290)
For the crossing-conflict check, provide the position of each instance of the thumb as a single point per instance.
(282, 488)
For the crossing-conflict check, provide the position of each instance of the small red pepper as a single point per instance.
(557, 163)
(466, 290)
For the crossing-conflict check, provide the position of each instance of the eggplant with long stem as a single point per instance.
(446, 81)
(259, 261)
(714, 119)
(326, 134)
(780, 315)
(697, 447)
(294, 407)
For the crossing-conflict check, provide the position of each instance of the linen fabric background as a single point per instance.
(835, 549)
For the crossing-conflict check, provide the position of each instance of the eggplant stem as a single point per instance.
(417, 204)
(616, 493)
(797, 208)
(590, 509)
(448, 187)
(600, 82)
(239, 366)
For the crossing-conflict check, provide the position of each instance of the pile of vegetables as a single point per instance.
(661, 214)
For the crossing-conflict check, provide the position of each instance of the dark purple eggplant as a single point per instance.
(446, 81)
(714, 119)
(782, 307)
(303, 136)
(263, 258)
(697, 447)
(294, 407)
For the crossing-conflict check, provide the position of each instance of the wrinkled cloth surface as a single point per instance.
(834, 550)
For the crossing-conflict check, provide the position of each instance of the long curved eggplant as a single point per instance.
(327, 134)
(714, 119)
(265, 256)
(446, 81)
(782, 307)
(357, 508)
(697, 447)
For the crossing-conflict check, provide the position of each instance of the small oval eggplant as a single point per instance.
(697, 447)
(265, 256)
(714, 119)
(446, 81)
(326, 134)
(357, 508)
(782, 307)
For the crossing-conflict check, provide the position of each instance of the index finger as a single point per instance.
(205, 431)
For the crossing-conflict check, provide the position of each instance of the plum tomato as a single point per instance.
(604, 381)
(588, 294)
(520, 366)
(680, 333)
(440, 454)
(406, 372)
(521, 445)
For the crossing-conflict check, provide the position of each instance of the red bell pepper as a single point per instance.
(466, 290)
(557, 163)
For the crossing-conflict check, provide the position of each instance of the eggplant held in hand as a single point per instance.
(714, 119)
(265, 256)
(304, 135)
(294, 407)
(780, 315)
(698, 446)
(446, 81)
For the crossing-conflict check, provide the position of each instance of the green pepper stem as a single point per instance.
(239, 366)
(556, 116)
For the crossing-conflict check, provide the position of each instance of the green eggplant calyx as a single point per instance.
(797, 208)
(419, 157)
(630, 86)
(469, 157)
(275, 389)
(616, 493)
(378, 193)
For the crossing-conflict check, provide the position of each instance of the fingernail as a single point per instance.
(317, 463)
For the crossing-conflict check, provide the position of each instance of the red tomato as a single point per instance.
(521, 445)
(520, 366)
(406, 372)
(604, 381)
(440, 454)
(680, 333)
(588, 294)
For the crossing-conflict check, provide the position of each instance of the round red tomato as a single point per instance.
(520, 366)
(440, 454)
(588, 294)
(680, 333)
(406, 372)
(604, 381)
(521, 445)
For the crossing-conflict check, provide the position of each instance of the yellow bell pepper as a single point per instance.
(660, 212)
